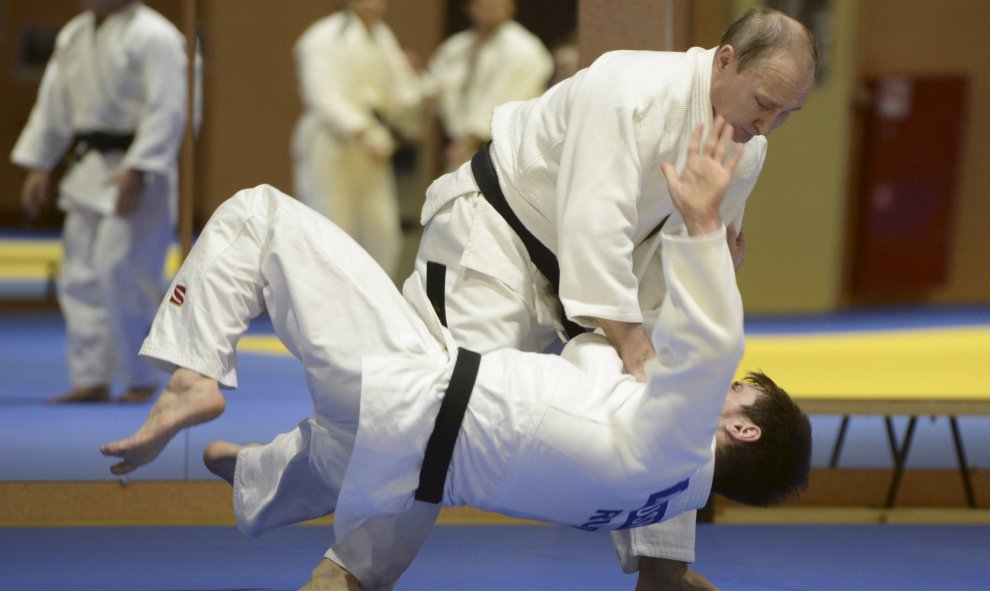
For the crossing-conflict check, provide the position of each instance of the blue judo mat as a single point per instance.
(498, 557)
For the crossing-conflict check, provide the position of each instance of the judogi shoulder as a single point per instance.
(347, 74)
(580, 166)
(512, 64)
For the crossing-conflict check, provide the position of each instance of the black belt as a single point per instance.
(542, 257)
(102, 142)
(440, 447)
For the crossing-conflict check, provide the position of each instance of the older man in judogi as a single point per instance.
(116, 86)
(553, 228)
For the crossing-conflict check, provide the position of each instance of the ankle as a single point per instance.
(183, 380)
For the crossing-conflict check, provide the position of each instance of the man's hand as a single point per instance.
(661, 574)
(34, 193)
(377, 141)
(699, 189)
(632, 343)
(737, 246)
(130, 185)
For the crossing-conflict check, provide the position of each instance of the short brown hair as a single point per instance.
(762, 31)
(775, 467)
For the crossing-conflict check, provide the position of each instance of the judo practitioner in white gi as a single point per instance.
(359, 92)
(405, 421)
(116, 86)
(554, 226)
(495, 61)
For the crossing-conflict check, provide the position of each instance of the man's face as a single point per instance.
(102, 8)
(740, 395)
(370, 11)
(760, 98)
(488, 14)
(733, 424)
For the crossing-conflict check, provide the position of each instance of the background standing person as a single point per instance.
(495, 61)
(553, 228)
(116, 86)
(359, 92)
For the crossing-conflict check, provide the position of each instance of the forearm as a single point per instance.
(632, 343)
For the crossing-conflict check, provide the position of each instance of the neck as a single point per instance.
(488, 31)
(108, 9)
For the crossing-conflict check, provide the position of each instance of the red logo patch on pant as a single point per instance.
(178, 295)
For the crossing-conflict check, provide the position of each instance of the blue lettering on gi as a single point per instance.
(655, 507)
(602, 517)
(652, 511)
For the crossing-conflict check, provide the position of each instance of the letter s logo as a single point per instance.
(178, 295)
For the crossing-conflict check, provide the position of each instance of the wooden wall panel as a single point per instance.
(605, 25)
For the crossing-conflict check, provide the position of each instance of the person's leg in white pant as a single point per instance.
(330, 304)
(129, 255)
(483, 312)
(90, 341)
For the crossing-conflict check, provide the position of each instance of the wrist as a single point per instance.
(707, 222)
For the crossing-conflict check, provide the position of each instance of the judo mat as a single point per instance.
(498, 557)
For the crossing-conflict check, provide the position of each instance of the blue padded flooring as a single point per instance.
(60, 442)
(497, 558)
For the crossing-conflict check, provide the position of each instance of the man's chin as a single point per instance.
(741, 137)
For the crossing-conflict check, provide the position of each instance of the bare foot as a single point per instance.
(330, 575)
(188, 399)
(220, 458)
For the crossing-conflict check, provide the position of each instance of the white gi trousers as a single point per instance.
(263, 248)
(109, 287)
(491, 302)
(340, 179)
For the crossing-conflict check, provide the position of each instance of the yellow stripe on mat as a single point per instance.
(29, 260)
(921, 363)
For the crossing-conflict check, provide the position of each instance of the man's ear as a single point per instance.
(743, 431)
(724, 56)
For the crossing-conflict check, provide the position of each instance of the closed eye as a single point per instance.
(765, 106)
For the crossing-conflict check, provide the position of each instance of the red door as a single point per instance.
(912, 139)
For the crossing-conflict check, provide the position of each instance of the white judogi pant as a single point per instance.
(109, 287)
(340, 179)
(261, 237)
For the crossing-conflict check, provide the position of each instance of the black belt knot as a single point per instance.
(102, 142)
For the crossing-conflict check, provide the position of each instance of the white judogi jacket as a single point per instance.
(580, 167)
(127, 76)
(568, 439)
(346, 75)
(512, 64)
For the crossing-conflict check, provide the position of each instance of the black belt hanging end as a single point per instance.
(440, 447)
